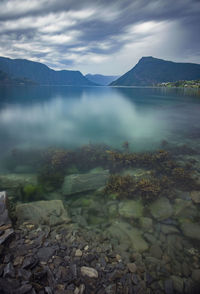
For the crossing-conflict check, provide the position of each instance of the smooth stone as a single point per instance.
(191, 230)
(42, 212)
(146, 223)
(195, 195)
(161, 209)
(132, 267)
(13, 182)
(78, 253)
(78, 183)
(178, 283)
(184, 209)
(127, 235)
(131, 209)
(156, 251)
(89, 272)
(196, 275)
(168, 229)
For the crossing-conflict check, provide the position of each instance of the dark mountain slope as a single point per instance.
(101, 79)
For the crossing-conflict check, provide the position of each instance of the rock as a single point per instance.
(128, 235)
(156, 251)
(89, 272)
(45, 253)
(42, 212)
(191, 230)
(196, 275)
(131, 209)
(9, 271)
(178, 284)
(168, 286)
(132, 267)
(184, 209)
(167, 229)
(78, 253)
(6, 229)
(78, 183)
(138, 173)
(13, 182)
(146, 224)
(161, 209)
(195, 195)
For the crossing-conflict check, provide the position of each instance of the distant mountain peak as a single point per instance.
(150, 71)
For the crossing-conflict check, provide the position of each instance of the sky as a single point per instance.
(99, 36)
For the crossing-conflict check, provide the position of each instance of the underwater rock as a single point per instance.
(136, 172)
(146, 224)
(42, 212)
(161, 209)
(89, 272)
(6, 229)
(131, 209)
(12, 182)
(191, 230)
(125, 233)
(195, 195)
(168, 229)
(184, 209)
(78, 183)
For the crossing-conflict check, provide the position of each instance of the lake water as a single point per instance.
(142, 143)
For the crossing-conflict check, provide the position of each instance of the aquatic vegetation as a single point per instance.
(32, 193)
(148, 188)
(123, 186)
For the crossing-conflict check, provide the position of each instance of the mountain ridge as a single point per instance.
(103, 80)
(150, 71)
(42, 74)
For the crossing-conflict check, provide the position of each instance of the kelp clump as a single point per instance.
(128, 187)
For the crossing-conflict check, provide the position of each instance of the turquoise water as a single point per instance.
(142, 144)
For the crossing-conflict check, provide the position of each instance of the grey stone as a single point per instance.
(42, 212)
(146, 224)
(132, 267)
(168, 229)
(168, 286)
(178, 283)
(156, 251)
(191, 230)
(45, 253)
(196, 275)
(184, 209)
(13, 182)
(126, 234)
(78, 183)
(161, 209)
(131, 209)
(89, 272)
(195, 195)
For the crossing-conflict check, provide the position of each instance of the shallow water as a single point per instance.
(50, 134)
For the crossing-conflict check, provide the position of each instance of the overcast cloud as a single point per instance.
(106, 37)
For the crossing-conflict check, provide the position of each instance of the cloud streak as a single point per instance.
(99, 36)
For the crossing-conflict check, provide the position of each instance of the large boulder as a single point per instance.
(6, 229)
(78, 183)
(161, 209)
(13, 182)
(131, 209)
(125, 233)
(42, 212)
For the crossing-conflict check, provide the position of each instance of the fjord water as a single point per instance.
(166, 230)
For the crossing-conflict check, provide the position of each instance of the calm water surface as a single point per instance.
(46, 121)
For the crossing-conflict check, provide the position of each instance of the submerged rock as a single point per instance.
(161, 209)
(78, 183)
(195, 195)
(42, 212)
(125, 233)
(191, 230)
(6, 229)
(131, 209)
(146, 224)
(184, 209)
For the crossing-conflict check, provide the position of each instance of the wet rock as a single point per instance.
(42, 212)
(131, 209)
(30, 262)
(167, 229)
(196, 275)
(9, 271)
(24, 289)
(78, 253)
(125, 233)
(89, 272)
(195, 196)
(45, 253)
(156, 251)
(6, 229)
(161, 209)
(178, 284)
(168, 286)
(184, 209)
(77, 183)
(132, 267)
(191, 230)
(146, 224)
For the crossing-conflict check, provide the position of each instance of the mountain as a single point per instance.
(5, 79)
(150, 71)
(41, 74)
(101, 79)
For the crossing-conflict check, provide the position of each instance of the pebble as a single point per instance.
(132, 267)
(89, 272)
(78, 253)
